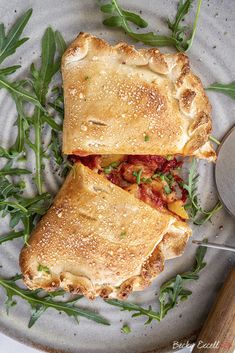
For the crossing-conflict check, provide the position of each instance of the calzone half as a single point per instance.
(120, 100)
(98, 239)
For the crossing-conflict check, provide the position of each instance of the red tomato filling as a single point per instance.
(153, 179)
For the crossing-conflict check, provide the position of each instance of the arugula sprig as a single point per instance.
(11, 236)
(196, 212)
(15, 88)
(183, 42)
(138, 310)
(21, 209)
(171, 292)
(8, 170)
(10, 42)
(121, 18)
(40, 302)
(227, 89)
(9, 70)
(22, 127)
(41, 79)
(27, 211)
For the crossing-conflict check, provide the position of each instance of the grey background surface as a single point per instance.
(9, 345)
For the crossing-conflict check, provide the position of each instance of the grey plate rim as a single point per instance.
(191, 339)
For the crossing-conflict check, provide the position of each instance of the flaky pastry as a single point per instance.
(97, 239)
(120, 100)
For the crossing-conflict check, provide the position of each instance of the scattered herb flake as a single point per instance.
(138, 174)
(146, 138)
(146, 180)
(123, 234)
(109, 168)
(43, 268)
(126, 329)
(167, 189)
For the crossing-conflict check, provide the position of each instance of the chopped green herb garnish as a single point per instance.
(123, 234)
(43, 268)
(156, 175)
(86, 78)
(137, 174)
(167, 189)
(146, 180)
(109, 168)
(169, 157)
(146, 138)
(126, 329)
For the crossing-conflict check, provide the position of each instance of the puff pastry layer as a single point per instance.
(115, 96)
(97, 239)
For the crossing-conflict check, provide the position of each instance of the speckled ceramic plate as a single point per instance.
(212, 58)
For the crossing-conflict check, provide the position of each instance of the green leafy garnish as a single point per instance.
(56, 148)
(43, 268)
(183, 43)
(110, 167)
(21, 209)
(171, 292)
(10, 42)
(41, 79)
(146, 138)
(121, 18)
(5, 154)
(169, 157)
(15, 88)
(213, 139)
(139, 310)
(227, 89)
(137, 174)
(167, 189)
(123, 234)
(122, 15)
(126, 329)
(196, 212)
(9, 70)
(10, 236)
(146, 180)
(40, 302)
(8, 170)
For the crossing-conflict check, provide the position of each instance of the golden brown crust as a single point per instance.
(115, 96)
(97, 239)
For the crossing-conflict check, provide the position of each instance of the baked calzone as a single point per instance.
(98, 239)
(120, 100)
